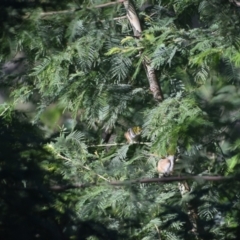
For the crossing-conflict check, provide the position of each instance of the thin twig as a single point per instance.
(43, 14)
(115, 19)
(172, 179)
(119, 144)
(109, 4)
(57, 188)
(137, 181)
(158, 231)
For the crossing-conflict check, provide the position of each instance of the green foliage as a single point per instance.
(27, 206)
(172, 121)
(85, 77)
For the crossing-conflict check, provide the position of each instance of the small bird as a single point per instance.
(133, 134)
(165, 166)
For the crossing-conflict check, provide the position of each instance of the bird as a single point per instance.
(132, 135)
(165, 166)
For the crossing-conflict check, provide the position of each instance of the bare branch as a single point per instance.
(171, 179)
(137, 181)
(44, 14)
(119, 144)
(155, 88)
(151, 74)
(56, 188)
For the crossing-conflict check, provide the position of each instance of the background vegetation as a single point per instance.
(75, 75)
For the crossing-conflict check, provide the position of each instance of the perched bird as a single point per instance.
(133, 134)
(165, 166)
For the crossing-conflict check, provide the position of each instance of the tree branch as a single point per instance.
(57, 188)
(137, 181)
(119, 144)
(151, 74)
(171, 179)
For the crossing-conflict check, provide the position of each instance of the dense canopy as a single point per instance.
(96, 95)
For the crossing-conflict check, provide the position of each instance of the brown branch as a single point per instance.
(171, 179)
(137, 181)
(66, 187)
(117, 18)
(119, 144)
(56, 188)
(44, 14)
(151, 74)
(155, 88)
